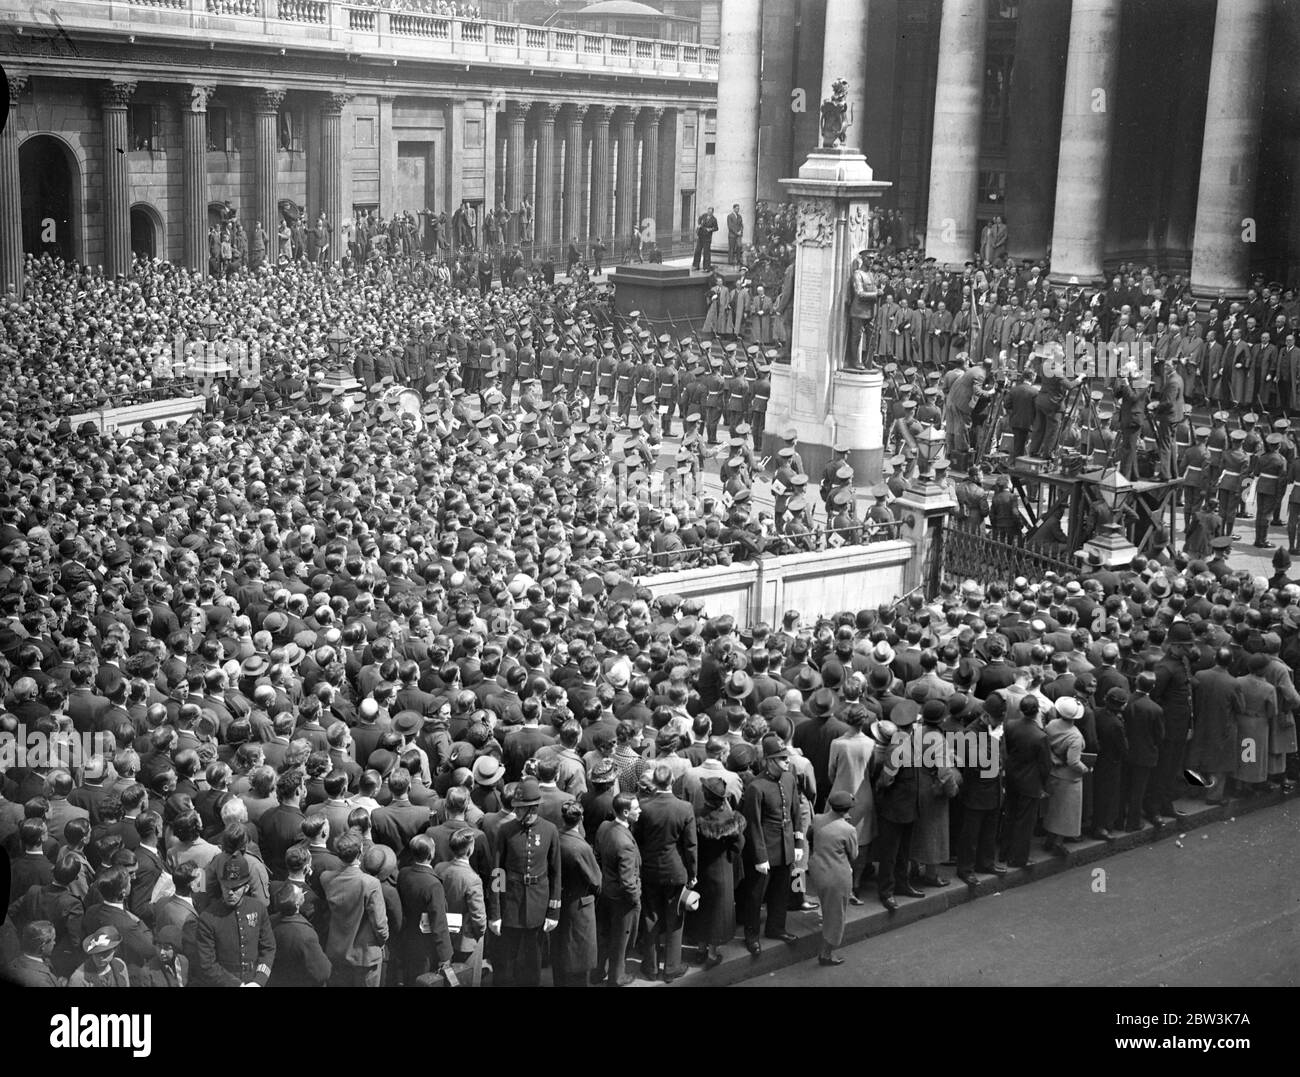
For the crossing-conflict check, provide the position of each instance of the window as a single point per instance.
(221, 132)
(473, 133)
(688, 136)
(291, 126)
(993, 187)
(365, 133)
(144, 132)
(688, 209)
(709, 149)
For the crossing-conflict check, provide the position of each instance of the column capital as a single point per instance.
(517, 110)
(601, 114)
(625, 114)
(268, 101)
(200, 94)
(334, 102)
(576, 111)
(651, 115)
(547, 111)
(116, 94)
(17, 84)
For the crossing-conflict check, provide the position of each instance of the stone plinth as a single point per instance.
(668, 297)
(815, 394)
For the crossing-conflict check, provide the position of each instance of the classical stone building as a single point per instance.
(133, 124)
(1101, 130)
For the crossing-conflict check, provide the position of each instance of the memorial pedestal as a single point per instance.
(815, 394)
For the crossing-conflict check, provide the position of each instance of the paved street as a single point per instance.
(1224, 909)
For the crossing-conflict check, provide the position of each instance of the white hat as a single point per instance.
(1069, 708)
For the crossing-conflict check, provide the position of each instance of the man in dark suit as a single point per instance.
(619, 903)
(981, 797)
(813, 739)
(425, 942)
(299, 959)
(398, 821)
(998, 674)
(1020, 412)
(1144, 727)
(774, 844)
(1029, 762)
(113, 886)
(522, 744)
(666, 834)
(897, 808)
(281, 826)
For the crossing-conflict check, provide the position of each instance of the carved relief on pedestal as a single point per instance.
(815, 224)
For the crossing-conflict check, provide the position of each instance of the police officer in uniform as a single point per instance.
(234, 943)
(528, 859)
(1271, 470)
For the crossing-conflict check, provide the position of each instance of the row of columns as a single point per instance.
(115, 99)
(1226, 190)
(574, 120)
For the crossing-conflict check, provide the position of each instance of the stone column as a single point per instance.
(1087, 135)
(600, 115)
(11, 198)
(735, 170)
(1036, 84)
(650, 168)
(573, 154)
(114, 99)
(950, 234)
(844, 55)
(544, 211)
(1225, 204)
(625, 192)
(194, 166)
(516, 114)
(331, 169)
(266, 153)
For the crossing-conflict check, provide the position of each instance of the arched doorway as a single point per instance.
(146, 232)
(51, 197)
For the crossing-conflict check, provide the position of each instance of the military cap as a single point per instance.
(880, 492)
(842, 497)
(799, 480)
(1273, 440)
(798, 503)
(1249, 419)
(790, 434)
(1201, 432)
(1237, 435)
(693, 417)
(786, 452)
(1220, 416)
(908, 405)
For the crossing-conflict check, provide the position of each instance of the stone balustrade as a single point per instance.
(361, 30)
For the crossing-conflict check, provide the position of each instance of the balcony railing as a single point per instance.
(361, 29)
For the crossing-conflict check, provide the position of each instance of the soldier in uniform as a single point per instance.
(606, 369)
(1293, 506)
(234, 942)
(791, 438)
(782, 484)
(693, 437)
(830, 481)
(528, 858)
(1271, 470)
(736, 403)
(587, 364)
(843, 528)
(929, 410)
(1234, 465)
(1196, 473)
(666, 379)
(760, 392)
(714, 395)
(798, 533)
(897, 481)
(1004, 512)
(902, 434)
(548, 366)
(625, 381)
(1218, 564)
(880, 521)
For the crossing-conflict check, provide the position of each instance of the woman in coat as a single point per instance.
(573, 945)
(834, 850)
(939, 783)
(1258, 714)
(849, 760)
(1064, 815)
(719, 831)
